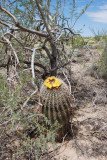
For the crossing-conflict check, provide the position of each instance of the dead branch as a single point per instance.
(14, 38)
(3, 42)
(48, 52)
(5, 24)
(43, 17)
(13, 50)
(32, 63)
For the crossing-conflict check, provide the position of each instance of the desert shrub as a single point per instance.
(22, 122)
(99, 34)
(102, 63)
(76, 42)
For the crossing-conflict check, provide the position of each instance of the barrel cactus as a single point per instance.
(56, 102)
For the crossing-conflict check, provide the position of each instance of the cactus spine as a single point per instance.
(56, 101)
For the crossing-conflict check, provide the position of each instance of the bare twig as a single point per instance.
(3, 42)
(43, 17)
(13, 50)
(13, 37)
(29, 98)
(32, 63)
(67, 80)
(42, 34)
(36, 64)
(10, 78)
(48, 52)
(5, 24)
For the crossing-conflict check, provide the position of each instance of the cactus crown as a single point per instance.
(52, 82)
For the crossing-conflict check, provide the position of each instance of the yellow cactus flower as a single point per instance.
(52, 82)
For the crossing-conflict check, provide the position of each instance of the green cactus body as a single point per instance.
(56, 104)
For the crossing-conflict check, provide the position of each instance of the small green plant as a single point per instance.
(76, 42)
(99, 34)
